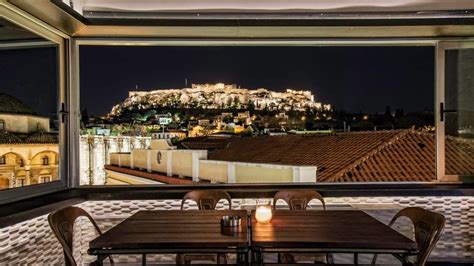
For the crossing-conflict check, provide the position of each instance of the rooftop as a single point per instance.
(206, 143)
(11, 105)
(394, 155)
(39, 137)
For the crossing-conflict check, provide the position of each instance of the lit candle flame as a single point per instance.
(263, 214)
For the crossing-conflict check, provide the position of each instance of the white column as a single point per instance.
(231, 172)
(195, 166)
(148, 161)
(169, 163)
(296, 174)
(304, 174)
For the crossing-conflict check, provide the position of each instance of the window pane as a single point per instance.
(248, 114)
(459, 121)
(28, 108)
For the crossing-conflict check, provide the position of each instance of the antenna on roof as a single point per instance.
(136, 86)
(185, 82)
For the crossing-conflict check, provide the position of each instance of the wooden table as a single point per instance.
(161, 232)
(337, 231)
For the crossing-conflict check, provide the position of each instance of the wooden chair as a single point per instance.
(428, 226)
(62, 224)
(206, 200)
(298, 200)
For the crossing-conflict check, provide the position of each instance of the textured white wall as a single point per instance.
(32, 242)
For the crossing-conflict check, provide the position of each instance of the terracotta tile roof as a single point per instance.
(397, 155)
(39, 137)
(330, 153)
(409, 156)
(459, 156)
(9, 138)
(42, 137)
(205, 143)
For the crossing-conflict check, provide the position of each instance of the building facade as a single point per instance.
(28, 148)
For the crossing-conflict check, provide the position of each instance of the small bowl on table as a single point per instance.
(231, 225)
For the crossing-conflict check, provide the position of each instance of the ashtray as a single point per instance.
(231, 221)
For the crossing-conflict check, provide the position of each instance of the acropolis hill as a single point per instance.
(219, 96)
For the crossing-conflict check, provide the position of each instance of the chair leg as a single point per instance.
(356, 259)
(180, 259)
(329, 258)
(143, 259)
(221, 258)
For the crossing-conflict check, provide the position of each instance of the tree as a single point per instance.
(251, 106)
(388, 118)
(228, 103)
(399, 113)
(227, 119)
(248, 131)
(388, 111)
(84, 116)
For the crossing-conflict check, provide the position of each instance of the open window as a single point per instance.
(258, 112)
(32, 92)
(456, 110)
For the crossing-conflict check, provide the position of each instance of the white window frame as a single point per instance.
(26, 21)
(441, 49)
(435, 43)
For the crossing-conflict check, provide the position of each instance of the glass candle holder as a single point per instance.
(263, 213)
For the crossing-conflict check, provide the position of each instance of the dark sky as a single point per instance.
(352, 78)
(30, 75)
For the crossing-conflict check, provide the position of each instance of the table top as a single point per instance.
(330, 229)
(155, 230)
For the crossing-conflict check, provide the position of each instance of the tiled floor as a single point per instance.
(31, 242)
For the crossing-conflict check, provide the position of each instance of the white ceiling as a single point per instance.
(271, 5)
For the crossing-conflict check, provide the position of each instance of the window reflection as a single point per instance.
(28, 106)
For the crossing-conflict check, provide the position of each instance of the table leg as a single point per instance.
(242, 256)
(356, 258)
(100, 260)
(257, 256)
(143, 259)
(406, 261)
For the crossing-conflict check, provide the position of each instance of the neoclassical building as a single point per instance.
(28, 148)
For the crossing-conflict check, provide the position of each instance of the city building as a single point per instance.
(28, 150)
(377, 158)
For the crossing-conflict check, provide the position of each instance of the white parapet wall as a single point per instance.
(184, 163)
(194, 164)
(214, 171)
(239, 172)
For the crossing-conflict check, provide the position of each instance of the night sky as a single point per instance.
(30, 75)
(351, 78)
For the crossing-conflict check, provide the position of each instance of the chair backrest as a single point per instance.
(298, 199)
(62, 224)
(428, 227)
(206, 199)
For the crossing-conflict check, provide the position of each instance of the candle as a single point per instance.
(263, 214)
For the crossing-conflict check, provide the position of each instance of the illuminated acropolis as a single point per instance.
(221, 96)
